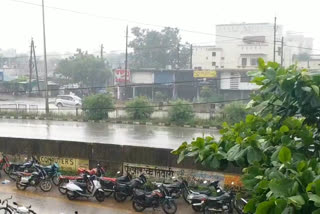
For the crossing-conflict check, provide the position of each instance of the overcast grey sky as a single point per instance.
(67, 31)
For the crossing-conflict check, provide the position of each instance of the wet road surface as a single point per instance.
(108, 133)
(55, 203)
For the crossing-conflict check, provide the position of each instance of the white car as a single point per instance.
(68, 100)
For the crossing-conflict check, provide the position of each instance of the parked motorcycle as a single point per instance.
(25, 167)
(177, 188)
(195, 198)
(225, 202)
(99, 171)
(37, 178)
(122, 190)
(90, 188)
(159, 197)
(108, 184)
(19, 209)
(53, 172)
(5, 164)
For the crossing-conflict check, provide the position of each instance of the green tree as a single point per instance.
(96, 107)
(157, 49)
(279, 153)
(233, 113)
(139, 108)
(85, 69)
(159, 96)
(181, 112)
(207, 94)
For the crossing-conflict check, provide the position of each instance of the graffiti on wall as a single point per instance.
(68, 164)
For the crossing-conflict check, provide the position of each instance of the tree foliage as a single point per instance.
(180, 112)
(85, 69)
(279, 153)
(96, 107)
(139, 108)
(207, 94)
(157, 49)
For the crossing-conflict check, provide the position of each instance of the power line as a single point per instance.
(148, 24)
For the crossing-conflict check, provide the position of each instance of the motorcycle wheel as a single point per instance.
(71, 195)
(197, 209)
(4, 210)
(185, 194)
(137, 207)
(20, 186)
(61, 188)
(119, 197)
(100, 196)
(169, 207)
(55, 180)
(12, 175)
(45, 185)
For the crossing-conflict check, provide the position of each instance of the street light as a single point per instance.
(45, 60)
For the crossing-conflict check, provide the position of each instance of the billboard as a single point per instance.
(204, 74)
(120, 75)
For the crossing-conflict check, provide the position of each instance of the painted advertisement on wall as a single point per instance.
(191, 175)
(120, 76)
(67, 164)
(204, 74)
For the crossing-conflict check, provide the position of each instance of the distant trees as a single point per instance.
(157, 49)
(85, 69)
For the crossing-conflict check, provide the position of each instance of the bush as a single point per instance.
(161, 97)
(181, 112)
(139, 108)
(208, 95)
(233, 113)
(96, 107)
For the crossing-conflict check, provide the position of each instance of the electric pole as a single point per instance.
(282, 51)
(30, 68)
(35, 66)
(101, 52)
(191, 50)
(126, 66)
(274, 38)
(178, 55)
(45, 60)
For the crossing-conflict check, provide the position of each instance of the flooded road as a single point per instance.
(108, 133)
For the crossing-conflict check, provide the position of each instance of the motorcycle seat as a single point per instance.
(205, 192)
(218, 198)
(80, 184)
(174, 185)
(106, 179)
(140, 192)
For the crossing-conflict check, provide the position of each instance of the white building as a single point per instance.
(244, 43)
(207, 57)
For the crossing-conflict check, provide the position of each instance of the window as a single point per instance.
(254, 61)
(244, 77)
(214, 63)
(222, 58)
(222, 66)
(214, 53)
(206, 57)
(244, 62)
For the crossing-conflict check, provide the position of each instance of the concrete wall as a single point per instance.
(110, 156)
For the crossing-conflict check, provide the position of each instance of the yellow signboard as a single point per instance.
(68, 164)
(205, 74)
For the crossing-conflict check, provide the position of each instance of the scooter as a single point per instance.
(122, 190)
(159, 197)
(91, 188)
(37, 178)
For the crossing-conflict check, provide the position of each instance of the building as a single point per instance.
(244, 43)
(207, 57)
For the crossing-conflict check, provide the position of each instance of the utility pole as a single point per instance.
(101, 52)
(178, 55)
(45, 60)
(30, 68)
(191, 52)
(35, 65)
(126, 66)
(274, 38)
(282, 51)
